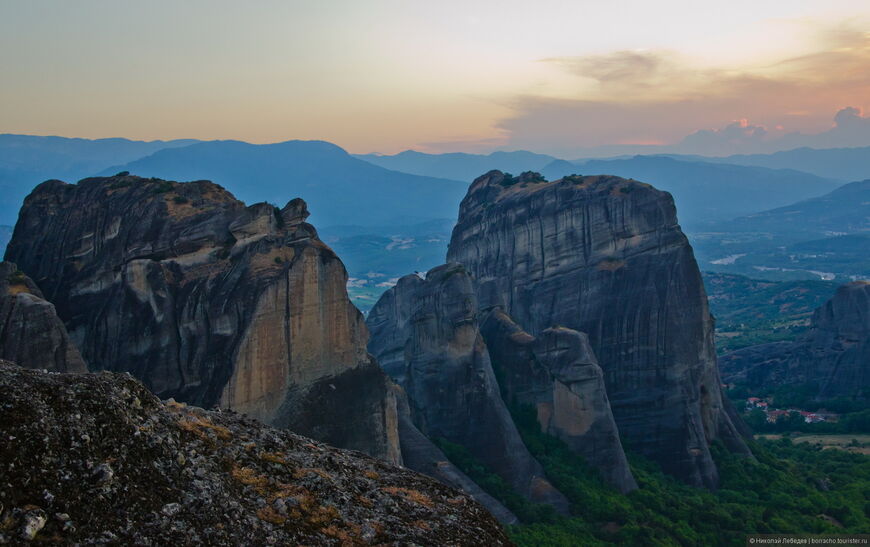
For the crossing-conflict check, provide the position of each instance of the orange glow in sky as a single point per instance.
(388, 75)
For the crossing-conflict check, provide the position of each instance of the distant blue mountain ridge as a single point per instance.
(339, 188)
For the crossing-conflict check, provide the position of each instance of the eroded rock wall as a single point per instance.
(425, 334)
(209, 301)
(605, 256)
(558, 375)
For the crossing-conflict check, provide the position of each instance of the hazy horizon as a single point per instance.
(558, 77)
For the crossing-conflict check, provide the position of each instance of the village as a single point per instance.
(774, 414)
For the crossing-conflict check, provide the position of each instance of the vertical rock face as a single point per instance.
(833, 356)
(605, 256)
(425, 334)
(558, 375)
(209, 301)
(420, 454)
(838, 344)
(31, 334)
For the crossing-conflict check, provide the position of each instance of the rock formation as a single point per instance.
(423, 456)
(31, 334)
(832, 357)
(557, 374)
(97, 458)
(425, 335)
(605, 256)
(210, 302)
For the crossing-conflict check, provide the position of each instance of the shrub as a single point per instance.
(162, 187)
(509, 180)
(532, 176)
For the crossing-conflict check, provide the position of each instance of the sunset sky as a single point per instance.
(473, 75)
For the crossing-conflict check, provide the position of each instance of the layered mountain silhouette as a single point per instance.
(340, 188)
(704, 191)
(844, 211)
(459, 165)
(27, 160)
(839, 163)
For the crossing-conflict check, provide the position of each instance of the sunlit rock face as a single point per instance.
(209, 301)
(832, 358)
(425, 334)
(605, 256)
(31, 334)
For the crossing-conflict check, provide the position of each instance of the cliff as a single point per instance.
(31, 334)
(558, 375)
(425, 334)
(605, 256)
(209, 302)
(422, 455)
(97, 458)
(832, 357)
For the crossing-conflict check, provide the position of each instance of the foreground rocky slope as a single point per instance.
(97, 458)
(210, 302)
(425, 334)
(605, 256)
(833, 356)
(30, 331)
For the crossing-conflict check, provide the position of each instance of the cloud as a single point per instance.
(618, 68)
(851, 128)
(738, 135)
(657, 96)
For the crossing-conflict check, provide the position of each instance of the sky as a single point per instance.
(564, 77)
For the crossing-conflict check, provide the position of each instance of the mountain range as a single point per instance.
(27, 160)
(339, 188)
(845, 210)
(826, 238)
(459, 165)
(391, 214)
(839, 163)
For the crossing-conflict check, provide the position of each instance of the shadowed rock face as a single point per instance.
(425, 335)
(98, 459)
(421, 455)
(210, 302)
(558, 375)
(31, 334)
(605, 256)
(833, 355)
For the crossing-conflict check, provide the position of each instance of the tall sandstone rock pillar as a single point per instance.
(210, 302)
(425, 335)
(558, 375)
(605, 256)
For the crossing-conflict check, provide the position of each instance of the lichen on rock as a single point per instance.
(97, 458)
